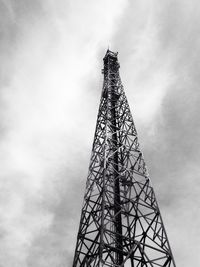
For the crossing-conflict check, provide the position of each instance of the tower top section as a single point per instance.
(110, 61)
(110, 54)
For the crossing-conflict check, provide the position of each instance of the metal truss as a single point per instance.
(120, 222)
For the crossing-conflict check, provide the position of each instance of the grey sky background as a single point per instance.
(50, 84)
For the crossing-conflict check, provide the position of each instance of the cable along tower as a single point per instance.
(120, 223)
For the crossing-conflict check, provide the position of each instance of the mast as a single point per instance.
(121, 224)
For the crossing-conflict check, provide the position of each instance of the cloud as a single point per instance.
(50, 84)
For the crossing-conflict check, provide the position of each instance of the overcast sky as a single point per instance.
(50, 84)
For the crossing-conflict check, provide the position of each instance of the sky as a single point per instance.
(50, 84)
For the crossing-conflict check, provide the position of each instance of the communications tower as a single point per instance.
(121, 224)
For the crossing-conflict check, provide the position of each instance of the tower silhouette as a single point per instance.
(120, 222)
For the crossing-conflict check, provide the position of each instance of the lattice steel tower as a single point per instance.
(120, 222)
